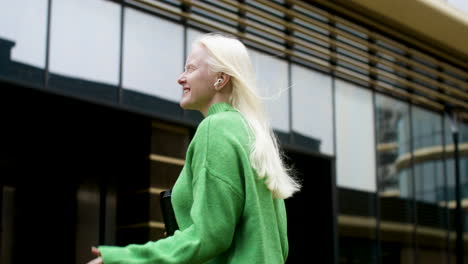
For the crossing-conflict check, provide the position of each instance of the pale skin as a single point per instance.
(98, 259)
(200, 86)
(201, 89)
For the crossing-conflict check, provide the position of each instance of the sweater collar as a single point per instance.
(220, 107)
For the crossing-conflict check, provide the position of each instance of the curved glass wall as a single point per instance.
(430, 186)
(395, 183)
(451, 176)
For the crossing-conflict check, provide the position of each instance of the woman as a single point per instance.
(228, 199)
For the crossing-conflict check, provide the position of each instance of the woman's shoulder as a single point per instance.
(224, 124)
(231, 118)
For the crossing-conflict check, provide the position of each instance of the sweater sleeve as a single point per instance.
(216, 209)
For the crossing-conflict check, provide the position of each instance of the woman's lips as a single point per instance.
(186, 90)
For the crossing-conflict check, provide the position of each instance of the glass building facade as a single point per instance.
(357, 116)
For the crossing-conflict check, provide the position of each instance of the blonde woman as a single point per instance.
(228, 199)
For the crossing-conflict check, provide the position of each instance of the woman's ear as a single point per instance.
(221, 81)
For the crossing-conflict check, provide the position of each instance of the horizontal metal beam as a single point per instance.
(403, 71)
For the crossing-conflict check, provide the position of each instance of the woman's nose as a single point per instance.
(181, 79)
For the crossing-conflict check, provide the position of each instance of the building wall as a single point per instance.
(394, 168)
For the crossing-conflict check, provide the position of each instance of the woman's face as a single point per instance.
(197, 82)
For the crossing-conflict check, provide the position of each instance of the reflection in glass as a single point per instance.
(450, 170)
(427, 129)
(429, 179)
(395, 184)
(272, 82)
(404, 181)
(192, 35)
(355, 156)
(392, 121)
(427, 142)
(355, 137)
(312, 91)
(85, 40)
(24, 22)
(153, 55)
(23, 27)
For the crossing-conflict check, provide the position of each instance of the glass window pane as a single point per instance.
(395, 183)
(427, 128)
(272, 81)
(355, 137)
(405, 185)
(392, 121)
(25, 23)
(85, 40)
(451, 171)
(432, 213)
(355, 164)
(312, 106)
(459, 4)
(463, 127)
(192, 34)
(23, 27)
(153, 55)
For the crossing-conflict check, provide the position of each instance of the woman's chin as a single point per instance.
(184, 104)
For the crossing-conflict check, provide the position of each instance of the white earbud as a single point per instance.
(218, 82)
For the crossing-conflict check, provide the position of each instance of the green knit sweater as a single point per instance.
(225, 213)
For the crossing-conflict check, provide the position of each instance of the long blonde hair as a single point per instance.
(228, 55)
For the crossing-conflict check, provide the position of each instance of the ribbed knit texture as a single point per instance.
(225, 213)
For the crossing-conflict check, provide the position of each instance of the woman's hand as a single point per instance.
(97, 260)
